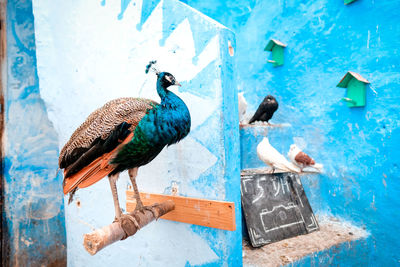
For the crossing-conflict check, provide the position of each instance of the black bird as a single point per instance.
(265, 110)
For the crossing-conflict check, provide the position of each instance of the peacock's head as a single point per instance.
(166, 79)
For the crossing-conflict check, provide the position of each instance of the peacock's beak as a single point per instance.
(176, 83)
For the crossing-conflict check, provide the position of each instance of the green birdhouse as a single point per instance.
(346, 2)
(356, 91)
(276, 47)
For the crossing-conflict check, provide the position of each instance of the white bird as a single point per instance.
(303, 160)
(270, 156)
(242, 106)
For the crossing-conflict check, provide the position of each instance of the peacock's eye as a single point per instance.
(168, 78)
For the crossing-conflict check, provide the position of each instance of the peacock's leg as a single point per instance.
(113, 179)
(272, 171)
(118, 214)
(139, 204)
(132, 175)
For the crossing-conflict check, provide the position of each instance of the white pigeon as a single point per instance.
(242, 106)
(303, 160)
(270, 156)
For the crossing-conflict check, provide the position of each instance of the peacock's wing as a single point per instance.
(87, 152)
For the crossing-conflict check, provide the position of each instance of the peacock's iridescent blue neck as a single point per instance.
(173, 116)
(162, 92)
(163, 125)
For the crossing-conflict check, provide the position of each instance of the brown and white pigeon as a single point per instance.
(301, 159)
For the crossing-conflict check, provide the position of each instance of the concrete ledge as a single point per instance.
(332, 234)
(261, 125)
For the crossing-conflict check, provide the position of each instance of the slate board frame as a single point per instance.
(275, 207)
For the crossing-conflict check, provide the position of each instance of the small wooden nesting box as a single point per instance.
(276, 47)
(356, 91)
(346, 2)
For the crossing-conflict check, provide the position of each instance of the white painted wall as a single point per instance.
(86, 56)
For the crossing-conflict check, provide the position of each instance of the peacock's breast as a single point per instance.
(167, 123)
(173, 124)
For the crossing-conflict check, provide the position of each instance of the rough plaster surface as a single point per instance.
(33, 217)
(332, 233)
(91, 52)
(358, 146)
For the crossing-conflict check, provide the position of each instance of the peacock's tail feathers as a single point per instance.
(94, 172)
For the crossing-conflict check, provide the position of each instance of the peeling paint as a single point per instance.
(33, 207)
(326, 39)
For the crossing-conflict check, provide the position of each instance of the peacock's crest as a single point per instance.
(152, 67)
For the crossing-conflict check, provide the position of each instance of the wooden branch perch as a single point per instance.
(100, 238)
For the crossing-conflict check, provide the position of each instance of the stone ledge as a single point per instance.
(259, 124)
(332, 233)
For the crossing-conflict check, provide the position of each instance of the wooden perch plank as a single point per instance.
(210, 213)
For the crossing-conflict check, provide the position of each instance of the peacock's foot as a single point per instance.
(127, 217)
(129, 224)
(142, 208)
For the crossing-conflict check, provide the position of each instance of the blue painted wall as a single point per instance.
(33, 203)
(358, 146)
(325, 39)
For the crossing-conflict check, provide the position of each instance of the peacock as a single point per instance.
(124, 134)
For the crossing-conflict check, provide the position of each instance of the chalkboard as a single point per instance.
(275, 207)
